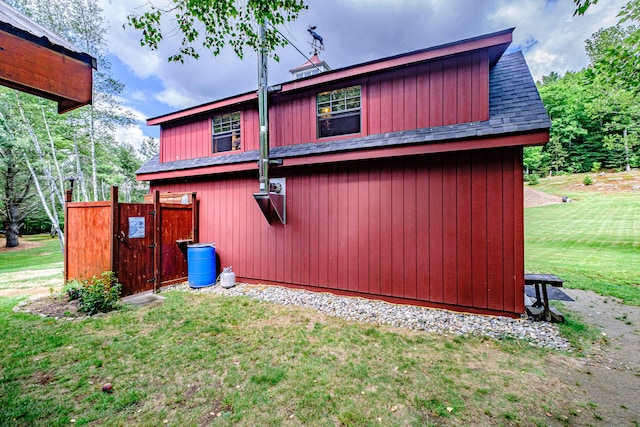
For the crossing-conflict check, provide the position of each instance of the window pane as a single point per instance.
(339, 111)
(226, 132)
(222, 143)
(339, 125)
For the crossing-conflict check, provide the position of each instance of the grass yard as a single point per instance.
(42, 253)
(593, 242)
(203, 359)
(37, 263)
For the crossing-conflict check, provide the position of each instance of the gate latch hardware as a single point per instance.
(152, 212)
(152, 246)
(153, 279)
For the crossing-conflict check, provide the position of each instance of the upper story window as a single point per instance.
(226, 132)
(338, 112)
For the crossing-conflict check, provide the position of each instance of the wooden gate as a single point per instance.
(135, 247)
(145, 244)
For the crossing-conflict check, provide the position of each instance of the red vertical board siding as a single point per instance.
(352, 222)
(435, 230)
(508, 226)
(464, 113)
(364, 234)
(495, 242)
(479, 256)
(386, 108)
(305, 254)
(423, 100)
(463, 232)
(410, 229)
(296, 124)
(410, 102)
(397, 227)
(334, 218)
(450, 95)
(422, 231)
(288, 111)
(481, 90)
(386, 237)
(438, 228)
(374, 108)
(343, 260)
(519, 230)
(449, 229)
(250, 129)
(314, 235)
(397, 101)
(243, 231)
(375, 207)
(436, 91)
(275, 126)
(164, 147)
(323, 230)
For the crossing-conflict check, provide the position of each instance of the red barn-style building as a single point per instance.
(403, 177)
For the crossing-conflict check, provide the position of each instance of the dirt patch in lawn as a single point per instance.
(534, 198)
(23, 244)
(606, 382)
(51, 306)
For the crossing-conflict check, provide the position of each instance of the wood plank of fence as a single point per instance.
(88, 239)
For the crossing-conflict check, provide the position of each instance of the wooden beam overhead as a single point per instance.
(39, 71)
(36, 61)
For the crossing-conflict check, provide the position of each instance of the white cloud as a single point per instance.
(559, 35)
(131, 134)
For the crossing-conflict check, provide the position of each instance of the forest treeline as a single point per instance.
(595, 112)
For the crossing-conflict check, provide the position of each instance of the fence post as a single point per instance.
(157, 240)
(195, 230)
(115, 226)
(68, 196)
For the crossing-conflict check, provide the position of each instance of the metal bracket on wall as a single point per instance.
(274, 201)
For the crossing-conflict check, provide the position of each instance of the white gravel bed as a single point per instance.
(539, 334)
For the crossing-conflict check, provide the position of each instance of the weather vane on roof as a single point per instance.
(317, 44)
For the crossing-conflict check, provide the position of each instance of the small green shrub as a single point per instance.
(100, 294)
(596, 166)
(587, 180)
(533, 179)
(72, 290)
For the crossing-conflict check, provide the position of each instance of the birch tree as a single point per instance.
(16, 198)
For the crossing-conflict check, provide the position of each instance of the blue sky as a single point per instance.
(354, 31)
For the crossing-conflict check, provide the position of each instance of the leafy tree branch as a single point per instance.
(215, 24)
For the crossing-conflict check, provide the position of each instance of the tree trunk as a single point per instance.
(53, 218)
(626, 151)
(13, 228)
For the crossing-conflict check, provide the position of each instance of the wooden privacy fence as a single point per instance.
(145, 244)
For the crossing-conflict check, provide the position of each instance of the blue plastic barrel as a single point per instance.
(201, 264)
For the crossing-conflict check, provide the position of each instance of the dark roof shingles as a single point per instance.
(514, 107)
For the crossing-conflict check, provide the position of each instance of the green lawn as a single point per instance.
(45, 256)
(592, 243)
(204, 359)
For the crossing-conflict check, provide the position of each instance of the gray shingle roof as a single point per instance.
(514, 107)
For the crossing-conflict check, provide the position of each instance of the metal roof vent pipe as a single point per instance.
(272, 195)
